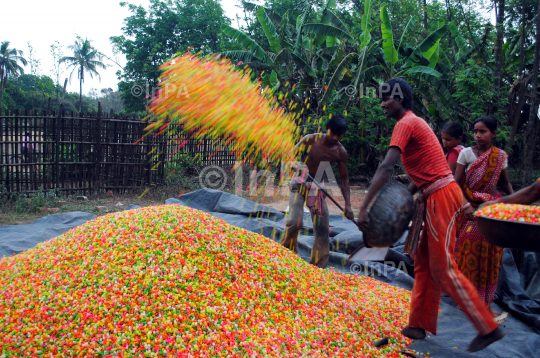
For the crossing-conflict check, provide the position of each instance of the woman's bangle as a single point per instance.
(466, 206)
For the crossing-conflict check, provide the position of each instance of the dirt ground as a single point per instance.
(104, 204)
(101, 205)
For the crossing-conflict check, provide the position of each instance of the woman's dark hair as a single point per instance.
(337, 124)
(455, 130)
(397, 88)
(488, 121)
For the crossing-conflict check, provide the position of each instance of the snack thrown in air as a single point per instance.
(174, 281)
(210, 97)
(511, 212)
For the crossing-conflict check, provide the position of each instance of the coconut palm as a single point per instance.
(9, 65)
(85, 59)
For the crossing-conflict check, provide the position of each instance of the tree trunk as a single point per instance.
(80, 96)
(449, 14)
(498, 48)
(514, 111)
(424, 6)
(522, 42)
(533, 128)
(1, 95)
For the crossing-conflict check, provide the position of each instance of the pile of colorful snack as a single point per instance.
(174, 281)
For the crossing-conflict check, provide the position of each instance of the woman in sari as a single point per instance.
(479, 169)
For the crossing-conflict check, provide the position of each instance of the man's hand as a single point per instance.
(469, 212)
(363, 220)
(303, 170)
(349, 213)
(299, 167)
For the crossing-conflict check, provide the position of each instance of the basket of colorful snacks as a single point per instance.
(510, 225)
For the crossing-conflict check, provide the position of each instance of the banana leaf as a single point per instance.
(239, 55)
(460, 40)
(326, 30)
(328, 17)
(406, 31)
(269, 30)
(366, 27)
(390, 53)
(336, 77)
(424, 71)
(432, 39)
(247, 42)
(283, 56)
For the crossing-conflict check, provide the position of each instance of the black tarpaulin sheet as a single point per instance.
(519, 286)
(17, 238)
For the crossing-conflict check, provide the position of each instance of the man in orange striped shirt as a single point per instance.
(435, 269)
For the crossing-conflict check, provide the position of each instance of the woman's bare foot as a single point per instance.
(414, 333)
(481, 342)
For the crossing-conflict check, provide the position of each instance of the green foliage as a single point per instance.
(23, 203)
(361, 57)
(10, 65)
(18, 95)
(474, 89)
(183, 171)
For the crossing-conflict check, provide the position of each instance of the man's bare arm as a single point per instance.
(525, 196)
(303, 148)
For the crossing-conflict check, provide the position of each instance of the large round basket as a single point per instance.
(510, 234)
(390, 215)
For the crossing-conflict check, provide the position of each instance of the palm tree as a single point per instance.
(85, 58)
(9, 65)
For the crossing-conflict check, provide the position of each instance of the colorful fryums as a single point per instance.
(511, 212)
(211, 98)
(171, 281)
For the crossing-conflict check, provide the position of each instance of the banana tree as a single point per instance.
(357, 60)
(424, 65)
(295, 57)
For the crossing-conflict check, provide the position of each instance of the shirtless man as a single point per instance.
(319, 151)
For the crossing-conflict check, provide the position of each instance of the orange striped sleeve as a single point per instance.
(401, 135)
